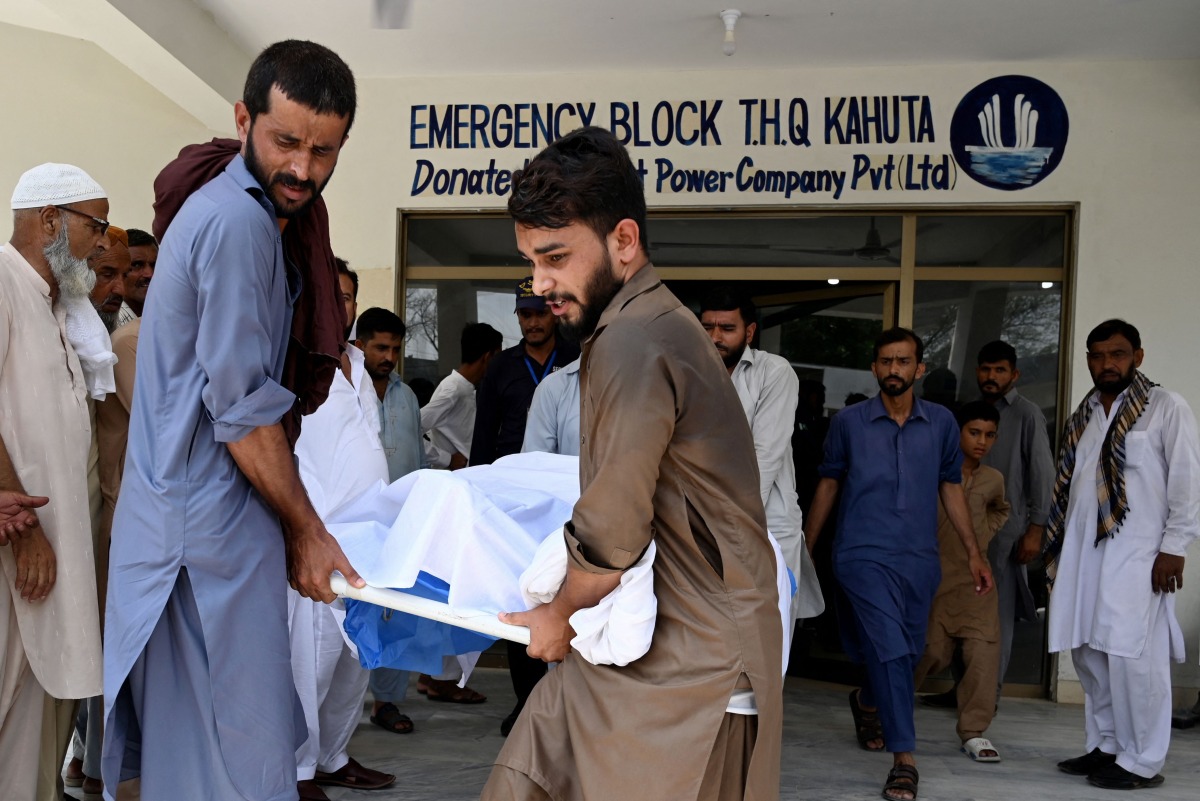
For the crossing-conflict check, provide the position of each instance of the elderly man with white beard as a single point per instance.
(50, 633)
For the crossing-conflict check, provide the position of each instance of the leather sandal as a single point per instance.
(866, 724)
(901, 779)
(392, 719)
(449, 692)
(356, 776)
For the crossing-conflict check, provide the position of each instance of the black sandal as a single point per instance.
(902, 778)
(392, 719)
(866, 724)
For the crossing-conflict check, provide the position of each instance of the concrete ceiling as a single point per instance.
(197, 51)
(488, 36)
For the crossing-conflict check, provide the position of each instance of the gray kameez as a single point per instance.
(210, 359)
(666, 455)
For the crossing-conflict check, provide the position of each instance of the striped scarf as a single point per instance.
(1110, 470)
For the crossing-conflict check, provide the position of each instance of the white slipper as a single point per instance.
(975, 745)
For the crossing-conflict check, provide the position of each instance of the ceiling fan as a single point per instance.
(872, 248)
(390, 14)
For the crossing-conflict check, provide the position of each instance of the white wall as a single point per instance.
(66, 100)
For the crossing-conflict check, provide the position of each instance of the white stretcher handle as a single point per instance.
(481, 622)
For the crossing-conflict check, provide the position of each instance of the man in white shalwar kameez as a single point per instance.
(340, 456)
(1126, 506)
(49, 621)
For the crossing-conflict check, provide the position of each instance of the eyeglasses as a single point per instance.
(103, 224)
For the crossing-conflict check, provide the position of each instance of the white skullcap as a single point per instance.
(55, 185)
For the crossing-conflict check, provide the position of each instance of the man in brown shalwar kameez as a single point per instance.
(666, 455)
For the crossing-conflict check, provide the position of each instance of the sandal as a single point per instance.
(901, 778)
(866, 724)
(448, 691)
(975, 747)
(354, 775)
(392, 719)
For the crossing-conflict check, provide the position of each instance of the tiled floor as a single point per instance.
(449, 755)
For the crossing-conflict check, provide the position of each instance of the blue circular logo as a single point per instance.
(1009, 132)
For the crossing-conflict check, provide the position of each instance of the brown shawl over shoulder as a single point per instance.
(319, 318)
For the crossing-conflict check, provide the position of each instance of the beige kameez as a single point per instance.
(666, 455)
(44, 423)
(961, 616)
(112, 427)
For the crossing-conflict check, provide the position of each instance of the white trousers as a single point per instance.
(1127, 707)
(331, 684)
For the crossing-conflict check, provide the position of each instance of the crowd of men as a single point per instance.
(180, 413)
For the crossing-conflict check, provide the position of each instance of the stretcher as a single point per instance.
(480, 622)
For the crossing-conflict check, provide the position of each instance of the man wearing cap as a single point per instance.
(49, 623)
(501, 410)
(111, 266)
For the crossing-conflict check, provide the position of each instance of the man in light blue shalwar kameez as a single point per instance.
(199, 697)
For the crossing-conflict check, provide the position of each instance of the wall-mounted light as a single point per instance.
(729, 17)
(1047, 285)
(833, 281)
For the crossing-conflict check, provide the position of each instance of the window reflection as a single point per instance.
(991, 241)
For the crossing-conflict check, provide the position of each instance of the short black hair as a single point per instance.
(138, 237)
(344, 269)
(586, 176)
(378, 321)
(898, 334)
(478, 339)
(997, 351)
(977, 410)
(1114, 327)
(307, 73)
(726, 298)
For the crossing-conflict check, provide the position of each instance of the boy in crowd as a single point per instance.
(959, 616)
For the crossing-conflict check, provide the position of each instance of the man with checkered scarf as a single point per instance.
(1126, 505)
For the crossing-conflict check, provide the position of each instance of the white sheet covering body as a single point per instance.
(479, 529)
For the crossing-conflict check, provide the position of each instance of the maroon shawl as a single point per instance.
(319, 317)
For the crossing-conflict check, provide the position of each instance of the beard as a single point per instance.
(732, 357)
(109, 320)
(894, 390)
(602, 286)
(284, 209)
(380, 371)
(73, 276)
(993, 391)
(1113, 385)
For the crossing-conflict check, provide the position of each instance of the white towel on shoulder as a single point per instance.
(89, 338)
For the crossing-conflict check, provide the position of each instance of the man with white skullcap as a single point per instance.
(49, 623)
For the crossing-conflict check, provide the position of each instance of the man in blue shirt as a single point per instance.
(553, 425)
(892, 458)
(212, 519)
